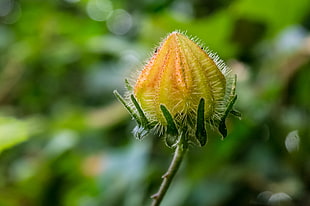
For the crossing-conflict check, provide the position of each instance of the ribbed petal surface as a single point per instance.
(178, 75)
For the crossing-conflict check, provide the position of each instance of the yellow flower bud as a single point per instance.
(181, 88)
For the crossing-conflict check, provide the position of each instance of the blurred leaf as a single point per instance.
(12, 132)
(272, 12)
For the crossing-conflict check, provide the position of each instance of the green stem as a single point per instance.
(168, 176)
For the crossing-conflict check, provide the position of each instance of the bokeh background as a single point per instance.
(66, 141)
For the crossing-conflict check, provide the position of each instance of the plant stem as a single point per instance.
(168, 176)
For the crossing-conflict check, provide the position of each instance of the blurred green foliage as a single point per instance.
(60, 60)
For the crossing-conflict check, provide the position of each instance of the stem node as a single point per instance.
(165, 175)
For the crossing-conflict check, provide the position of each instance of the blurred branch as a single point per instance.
(107, 116)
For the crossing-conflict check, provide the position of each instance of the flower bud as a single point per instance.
(180, 89)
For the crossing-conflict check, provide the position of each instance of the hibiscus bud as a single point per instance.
(180, 90)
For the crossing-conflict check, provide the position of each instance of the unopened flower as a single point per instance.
(181, 90)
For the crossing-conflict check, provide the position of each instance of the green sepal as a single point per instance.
(201, 133)
(143, 119)
(234, 83)
(236, 113)
(171, 127)
(172, 134)
(128, 85)
(222, 126)
(143, 127)
(230, 106)
(131, 112)
(229, 110)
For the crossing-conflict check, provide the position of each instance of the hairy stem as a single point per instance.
(168, 176)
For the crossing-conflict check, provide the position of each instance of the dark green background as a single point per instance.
(60, 60)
